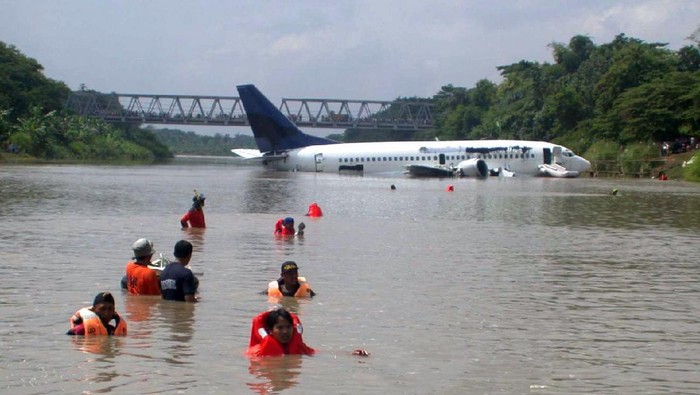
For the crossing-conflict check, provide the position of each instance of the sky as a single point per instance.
(355, 50)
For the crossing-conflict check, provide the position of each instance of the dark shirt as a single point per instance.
(176, 281)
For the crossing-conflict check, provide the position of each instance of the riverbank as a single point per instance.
(24, 159)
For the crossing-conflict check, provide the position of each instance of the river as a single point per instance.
(514, 286)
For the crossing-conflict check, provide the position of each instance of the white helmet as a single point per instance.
(142, 248)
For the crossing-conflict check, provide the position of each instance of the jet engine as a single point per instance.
(473, 168)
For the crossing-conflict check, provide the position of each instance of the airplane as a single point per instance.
(282, 146)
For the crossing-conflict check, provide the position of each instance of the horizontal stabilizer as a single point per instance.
(247, 153)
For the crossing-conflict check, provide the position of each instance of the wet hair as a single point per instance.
(183, 248)
(274, 315)
(103, 297)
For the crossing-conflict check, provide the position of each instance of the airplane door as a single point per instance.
(318, 162)
(547, 153)
(557, 154)
(442, 159)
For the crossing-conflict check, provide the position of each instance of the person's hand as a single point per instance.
(361, 352)
(302, 227)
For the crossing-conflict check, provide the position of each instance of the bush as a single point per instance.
(691, 171)
(635, 158)
(604, 156)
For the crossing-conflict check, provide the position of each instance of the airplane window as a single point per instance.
(411, 158)
(345, 160)
(374, 159)
(340, 160)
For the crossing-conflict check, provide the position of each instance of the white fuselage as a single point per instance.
(521, 157)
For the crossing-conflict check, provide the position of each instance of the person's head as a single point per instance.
(198, 200)
(288, 222)
(103, 306)
(182, 250)
(280, 325)
(143, 249)
(290, 272)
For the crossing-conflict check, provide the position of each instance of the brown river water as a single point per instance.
(513, 286)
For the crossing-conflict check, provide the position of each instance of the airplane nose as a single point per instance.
(585, 164)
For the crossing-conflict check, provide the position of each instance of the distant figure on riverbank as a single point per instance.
(194, 218)
(662, 176)
(97, 320)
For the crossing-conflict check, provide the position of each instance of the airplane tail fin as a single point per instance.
(272, 130)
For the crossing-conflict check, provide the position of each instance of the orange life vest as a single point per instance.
(93, 325)
(304, 291)
(263, 345)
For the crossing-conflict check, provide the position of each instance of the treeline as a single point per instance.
(33, 121)
(622, 93)
(190, 143)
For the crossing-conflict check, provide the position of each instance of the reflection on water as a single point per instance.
(196, 237)
(178, 319)
(274, 374)
(504, 285)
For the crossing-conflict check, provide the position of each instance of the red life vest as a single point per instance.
(314, 211)
(263, 345)
(281, 230)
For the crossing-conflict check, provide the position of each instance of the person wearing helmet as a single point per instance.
(285, 227)
(140, 279)
(194, 218)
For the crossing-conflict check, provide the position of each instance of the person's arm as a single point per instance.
(189, 286)
(78, 330)
(184, 219)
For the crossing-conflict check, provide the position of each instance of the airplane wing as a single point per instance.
(247, 153)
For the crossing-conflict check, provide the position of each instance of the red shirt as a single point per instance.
(195, 218)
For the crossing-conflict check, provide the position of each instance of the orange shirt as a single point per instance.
(140, 280)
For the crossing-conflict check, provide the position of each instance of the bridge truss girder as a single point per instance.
(228, 111)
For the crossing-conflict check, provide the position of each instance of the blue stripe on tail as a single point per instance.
(272, 130)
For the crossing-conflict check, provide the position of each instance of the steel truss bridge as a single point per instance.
(228, 111)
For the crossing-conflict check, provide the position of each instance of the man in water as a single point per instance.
(177, 282)
(140, 279)
(97, 320)
(285, 227)
(289, 283)
(194, 218)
